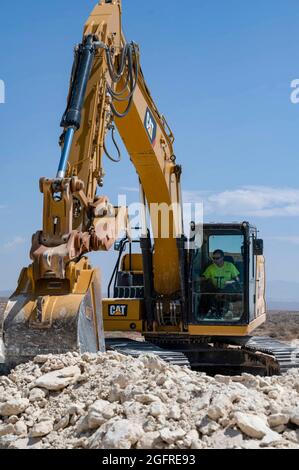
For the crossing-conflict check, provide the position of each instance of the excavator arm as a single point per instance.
(57, 304)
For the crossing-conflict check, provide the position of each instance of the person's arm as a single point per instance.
(235, 279)
(198, 280)
(235, 276)
(206, 275)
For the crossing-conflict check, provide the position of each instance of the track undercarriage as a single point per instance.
(258, 355)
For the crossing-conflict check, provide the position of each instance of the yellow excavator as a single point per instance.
(161, 289)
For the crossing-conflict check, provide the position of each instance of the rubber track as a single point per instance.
(287, 357)
(137, 348)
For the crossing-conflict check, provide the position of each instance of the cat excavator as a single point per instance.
(160, 290)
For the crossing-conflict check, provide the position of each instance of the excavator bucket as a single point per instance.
(43, 322)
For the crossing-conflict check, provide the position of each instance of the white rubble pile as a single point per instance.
(112, 401)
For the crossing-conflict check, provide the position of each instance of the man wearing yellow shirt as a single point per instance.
(222, 274)
(218, 279)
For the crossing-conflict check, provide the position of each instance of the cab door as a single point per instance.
(260, 306)
(257, 284)
(252, 279)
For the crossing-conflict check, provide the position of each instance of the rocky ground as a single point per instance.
(283, 326)
(111, 401)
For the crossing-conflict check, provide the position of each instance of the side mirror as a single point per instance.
(258, 247)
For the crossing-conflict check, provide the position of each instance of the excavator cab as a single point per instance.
(227, 275)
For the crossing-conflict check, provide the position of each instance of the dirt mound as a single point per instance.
(280, 325)
(111, 401)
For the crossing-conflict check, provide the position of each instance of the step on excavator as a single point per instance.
(195, 298)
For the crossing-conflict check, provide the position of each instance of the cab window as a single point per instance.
(218, 279)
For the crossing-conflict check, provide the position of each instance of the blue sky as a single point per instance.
(219, 70)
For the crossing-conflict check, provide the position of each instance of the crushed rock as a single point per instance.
(112, 401)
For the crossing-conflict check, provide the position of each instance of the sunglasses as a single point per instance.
(218, 258)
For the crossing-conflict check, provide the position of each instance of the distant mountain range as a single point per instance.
(283, 295)
(5, 293)
(285, 306)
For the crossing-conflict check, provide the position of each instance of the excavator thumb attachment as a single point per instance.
(54, 316)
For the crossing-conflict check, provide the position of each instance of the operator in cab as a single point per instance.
(222, 274)
(218, 281)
